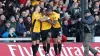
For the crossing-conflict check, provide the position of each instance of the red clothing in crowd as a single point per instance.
(22, 1)
(64, 39)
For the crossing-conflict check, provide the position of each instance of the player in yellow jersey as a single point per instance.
(56, 30)
(35, 29)
(45, 29)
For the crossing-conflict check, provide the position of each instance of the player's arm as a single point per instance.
(44, 19)
(53, 23)
(54, 20)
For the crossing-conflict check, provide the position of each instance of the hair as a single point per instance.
(43, 9)
(12, 17)
(49, 10)
(50, 1)
(35, 6)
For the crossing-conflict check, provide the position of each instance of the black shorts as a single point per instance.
(55, 32)
(35, 36)
(45, 34)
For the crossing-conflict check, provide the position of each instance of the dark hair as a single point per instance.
(35, 6)
(43, 9)
(50, 1)
(49, 10)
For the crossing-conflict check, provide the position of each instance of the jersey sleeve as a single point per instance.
(56, 16)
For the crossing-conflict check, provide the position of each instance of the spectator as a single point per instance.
(67, 18)
(13, 21)
(22, 2)
(75, 10)
(41, 4)
(21, 28)
(9, 10)
(6, 27)
(2, 20)
(5, 30)
(21, 8)
(66, 2)
(17, 16)
(31, 10)
(50, 4)
(55, 6)
(1, 11)
(97, 27)
(73, 28)
(25, 13)
(10, 33)
(0, 4)
(65, 28)
(28, 3)
(96, 8)
(28, 23)
(97, 18)
(63, 11)
(60, 5)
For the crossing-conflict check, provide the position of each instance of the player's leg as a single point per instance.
(54, 36)
(59, 37)
(44, 40)
(48, 40)
(37, 41)
(33, 44)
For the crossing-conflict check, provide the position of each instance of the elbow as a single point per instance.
(54, 23)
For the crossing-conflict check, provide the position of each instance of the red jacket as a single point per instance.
(22, 1)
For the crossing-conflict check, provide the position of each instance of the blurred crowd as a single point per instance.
(15, 16)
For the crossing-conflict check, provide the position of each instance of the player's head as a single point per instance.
(49, 11)
(43, 10)
(37, 8)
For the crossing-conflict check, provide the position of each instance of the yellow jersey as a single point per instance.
(45, 25)
(55, 17)
(36, 22)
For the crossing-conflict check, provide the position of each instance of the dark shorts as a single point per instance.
(55, 32)
(45, 34)
(35, 36)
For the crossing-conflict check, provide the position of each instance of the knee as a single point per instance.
(44, 43)
(55, 40)
(33, 42)
(59, 40)
(48, 40)
(38, 41)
